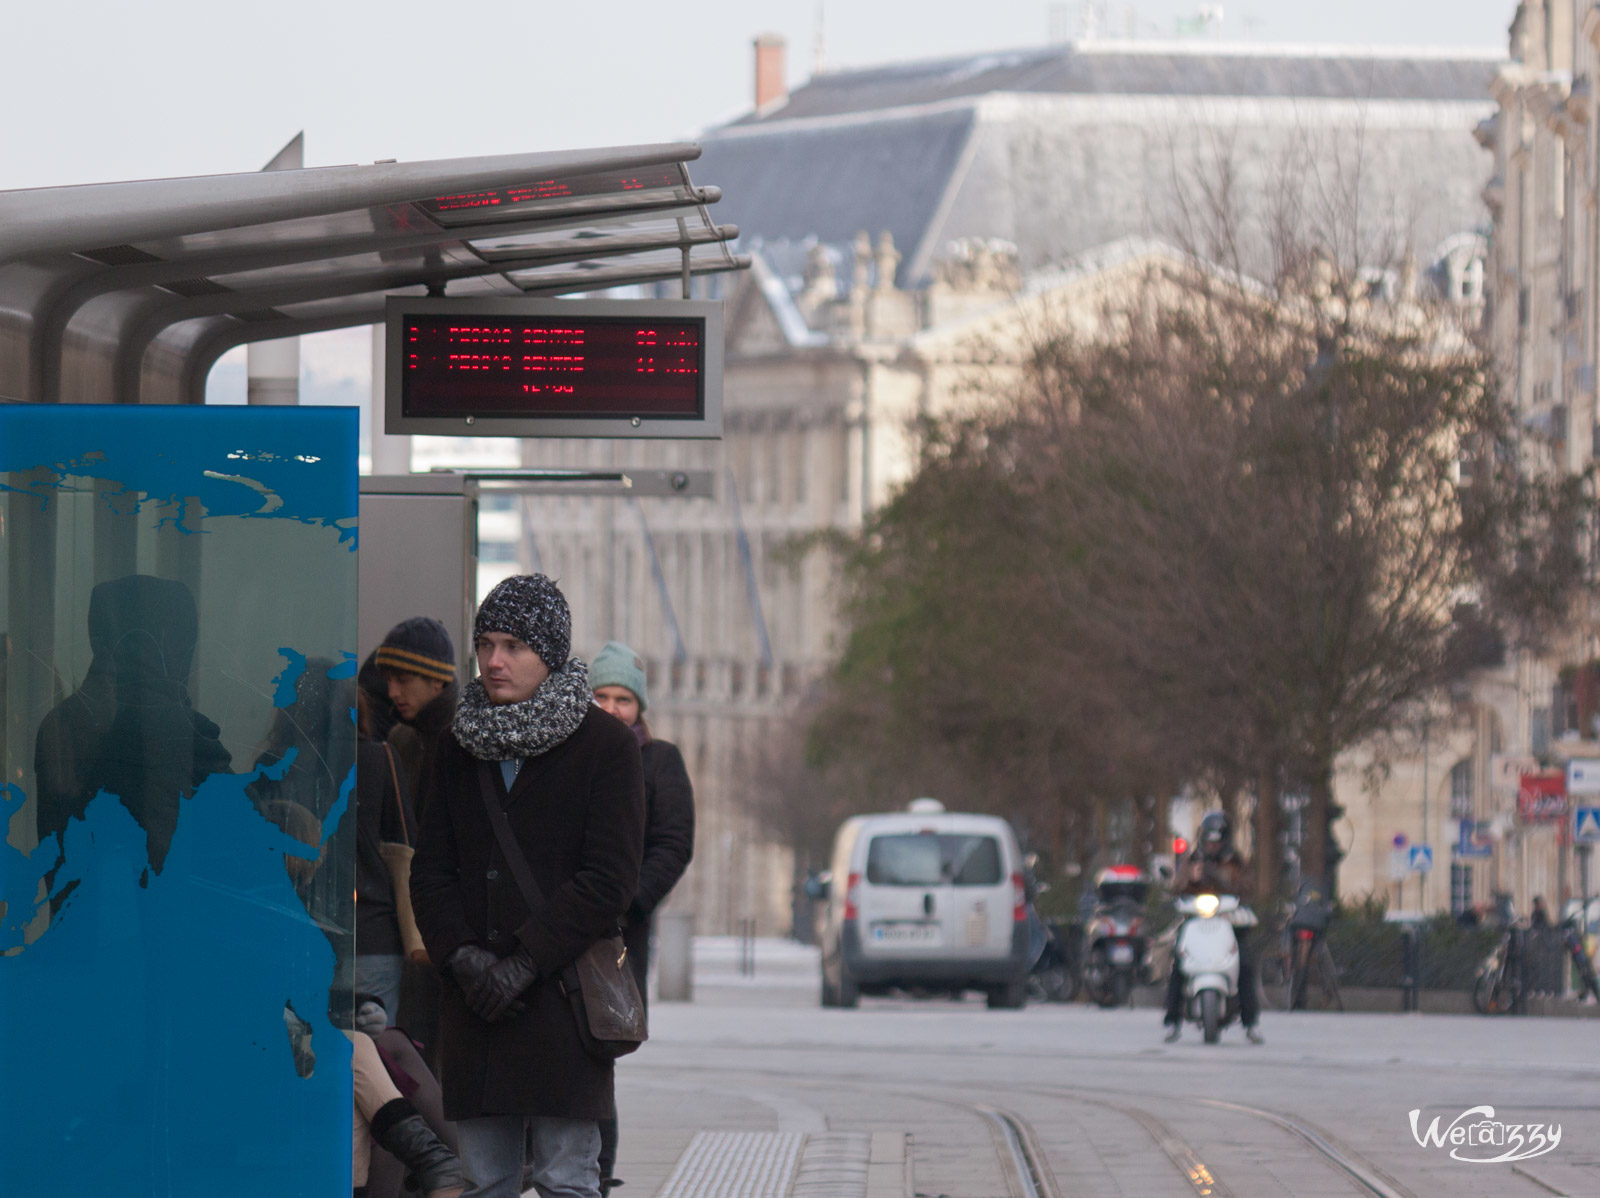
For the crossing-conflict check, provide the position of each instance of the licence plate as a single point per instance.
(1122, 954)
(905, 933)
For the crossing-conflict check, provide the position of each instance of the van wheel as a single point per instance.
(1013, 996)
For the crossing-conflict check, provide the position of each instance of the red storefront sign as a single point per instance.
(1542, 797)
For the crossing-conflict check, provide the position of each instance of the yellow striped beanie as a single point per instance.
(421, 646)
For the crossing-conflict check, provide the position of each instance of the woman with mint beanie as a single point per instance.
(617, 677)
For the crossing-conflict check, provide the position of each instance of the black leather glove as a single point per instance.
(495, 993)
(469, 963)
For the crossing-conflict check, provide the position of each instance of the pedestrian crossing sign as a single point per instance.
(1586, 824)
(1421, 858)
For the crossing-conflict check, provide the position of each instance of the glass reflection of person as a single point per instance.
(130, 729)
(317, 730)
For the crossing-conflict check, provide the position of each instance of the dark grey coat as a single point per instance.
(577, 812)
(668, 845)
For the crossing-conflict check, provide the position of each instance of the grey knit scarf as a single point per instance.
(500, 731)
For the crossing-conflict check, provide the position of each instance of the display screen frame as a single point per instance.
(401, 409)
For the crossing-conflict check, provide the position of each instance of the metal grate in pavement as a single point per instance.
(834, 1166)
(735, 1164)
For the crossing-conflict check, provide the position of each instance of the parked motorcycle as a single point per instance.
(1052, 972)
(1115, 943)
(1208, 954)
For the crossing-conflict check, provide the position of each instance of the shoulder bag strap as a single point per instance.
(405, 837)
(509, 849)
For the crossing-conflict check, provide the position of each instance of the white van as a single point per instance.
(925, 900)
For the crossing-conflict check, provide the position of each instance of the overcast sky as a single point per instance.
(102, 89)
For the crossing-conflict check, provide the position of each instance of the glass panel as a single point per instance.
(177, 621)
(933, 859)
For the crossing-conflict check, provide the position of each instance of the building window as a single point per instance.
(1461, 789)
(1460, 888)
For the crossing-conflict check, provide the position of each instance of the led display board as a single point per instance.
(554, 368)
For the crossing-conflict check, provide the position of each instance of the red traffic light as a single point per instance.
(1180, 846)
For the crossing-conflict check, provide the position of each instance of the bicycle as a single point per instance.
(1305, 949)
(1497, 990)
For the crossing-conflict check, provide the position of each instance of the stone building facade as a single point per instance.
(1542, 325)
(899, 217)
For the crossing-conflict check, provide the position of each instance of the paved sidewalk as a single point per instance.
(723, 1146)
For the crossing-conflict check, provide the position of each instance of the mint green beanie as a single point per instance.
(618, 665)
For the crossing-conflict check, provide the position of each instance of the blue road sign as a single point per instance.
(1586, 824)
(1474, 840)
(1421, 858)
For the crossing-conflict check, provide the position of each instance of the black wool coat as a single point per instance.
(668, 845)
(577, 812)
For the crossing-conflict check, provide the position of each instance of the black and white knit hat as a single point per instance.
(419, 645)
(531, 608)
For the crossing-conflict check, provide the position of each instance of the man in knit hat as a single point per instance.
(527, 739)
(417, 663)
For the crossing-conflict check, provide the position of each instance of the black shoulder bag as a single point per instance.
(599, 985)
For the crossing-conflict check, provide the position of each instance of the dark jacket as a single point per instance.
(577, 812)
(668, 845)
(419, 742)
(1225, 875)
(382, 815)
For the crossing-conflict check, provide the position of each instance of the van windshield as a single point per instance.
(933, 859)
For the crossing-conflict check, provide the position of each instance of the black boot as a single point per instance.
(406, 1136)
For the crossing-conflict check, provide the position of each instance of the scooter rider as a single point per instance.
(1214, 866)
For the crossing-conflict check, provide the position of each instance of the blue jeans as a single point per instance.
(565, 1155)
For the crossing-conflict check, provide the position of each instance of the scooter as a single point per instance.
(1115, 941)
(1116, 953)
(1208, 954)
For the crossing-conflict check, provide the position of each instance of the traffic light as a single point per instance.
(1180, 846)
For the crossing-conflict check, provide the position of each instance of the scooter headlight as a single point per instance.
(1206, 905)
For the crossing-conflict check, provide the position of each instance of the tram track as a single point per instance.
(1024, 1161)
(1366, 1176)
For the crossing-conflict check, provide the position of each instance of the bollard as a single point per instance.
(1519, 949)
(747, 947)
(675, 957)
(1411, 970)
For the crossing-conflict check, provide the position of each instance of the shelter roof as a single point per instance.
(129, 292)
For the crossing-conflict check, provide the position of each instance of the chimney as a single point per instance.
(771, 87)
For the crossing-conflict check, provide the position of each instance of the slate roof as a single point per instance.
(1065, 148)
(1132, 70)
(829, 183)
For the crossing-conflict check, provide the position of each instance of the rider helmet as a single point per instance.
(1216, 835)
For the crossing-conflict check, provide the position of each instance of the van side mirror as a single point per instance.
(817, 886)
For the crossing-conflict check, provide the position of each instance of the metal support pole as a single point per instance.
(1519, 946)
(683, 234)
(1584, 852)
